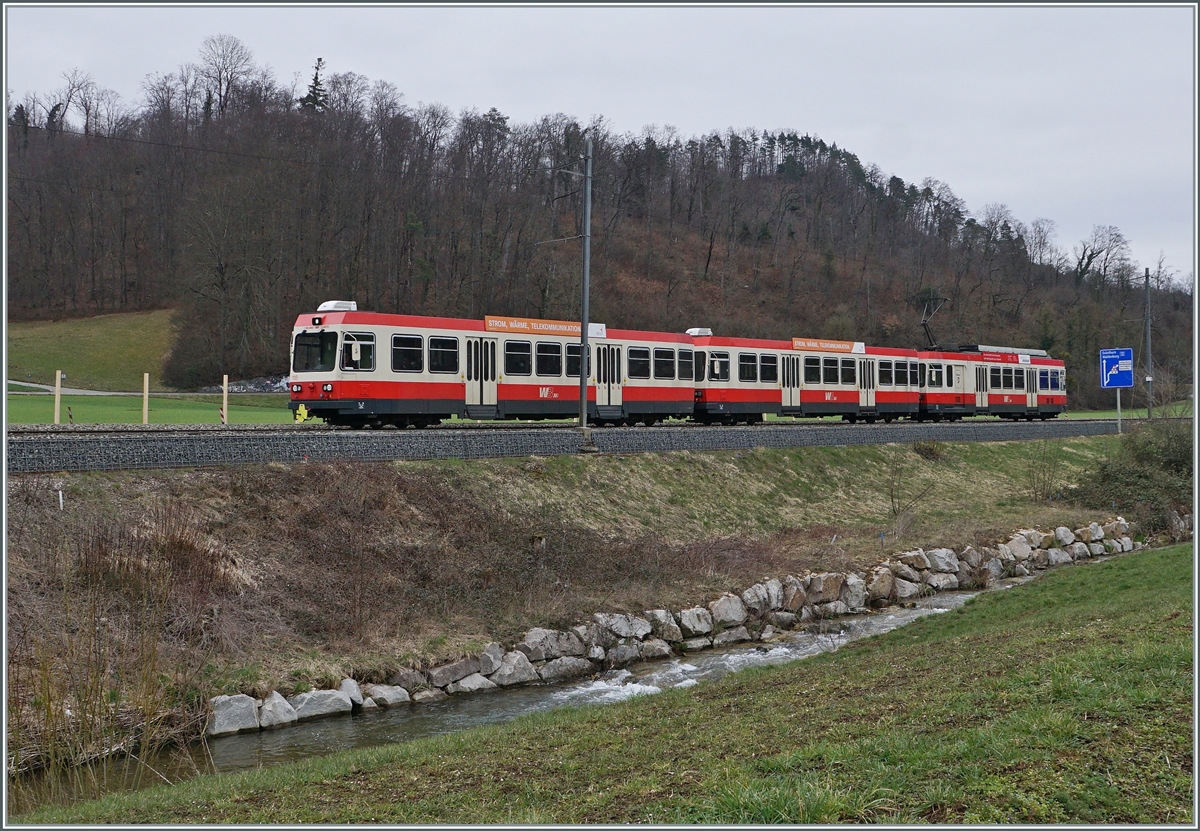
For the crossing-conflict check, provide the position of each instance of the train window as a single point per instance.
(358, 351)
(407, 353)
(664, 364)
(906, 373)
(747, 366)
(1043, 379)
(949, 376)
(829, 371)
(885, 373)
(812, 370)
(933, 379)
(518, 358)
(921, 375)
(639, 362)
(1018, 379)
(1006, 378)
(315, 351)
(549, 359)
(1055, 381)
(847, 370)
(443, 354)
(768, 369)
(699, 361)
(685, 365)
(994, 378)
(573, 360)
(718, 366)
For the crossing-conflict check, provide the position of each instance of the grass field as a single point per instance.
(127, 409)
(109, 352)
(1067, 700)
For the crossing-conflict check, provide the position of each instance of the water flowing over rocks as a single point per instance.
(761, 612)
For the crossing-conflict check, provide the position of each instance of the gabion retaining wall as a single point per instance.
(66, 450)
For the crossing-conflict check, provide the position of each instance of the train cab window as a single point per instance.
(699, 361)
(1055, 381)
(903, 376)
(921, 375)
(718, 366)
(549, 359)
(685, 365)
(747, 366)
(848, 371)
(829, 371)
(407, 353)
(949, 376)
(639, 362)
(768, 369)
(518, 357)
(443, 354)
(573, 360)
(315, 352)
(358, 351)
(1018, 379)
(812, 370)
(1043, 379)
(664, 364)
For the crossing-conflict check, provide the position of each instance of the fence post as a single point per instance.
(57, 394)
(225, 399)
(145, 398)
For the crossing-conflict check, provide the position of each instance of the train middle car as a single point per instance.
(369, 369)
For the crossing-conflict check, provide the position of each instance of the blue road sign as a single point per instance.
(1116, 368)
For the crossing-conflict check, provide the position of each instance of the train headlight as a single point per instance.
(327, 387)
(297, 387)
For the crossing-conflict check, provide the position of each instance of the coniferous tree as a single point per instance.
(316, 98)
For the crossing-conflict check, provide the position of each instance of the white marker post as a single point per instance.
(57, 394)
(1118, 410)
(225, 399)
(145, 398)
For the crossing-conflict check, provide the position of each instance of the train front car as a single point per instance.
(362, 369)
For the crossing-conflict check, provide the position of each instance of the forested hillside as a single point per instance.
(241, 202)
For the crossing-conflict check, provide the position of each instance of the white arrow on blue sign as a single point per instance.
(1116, 368)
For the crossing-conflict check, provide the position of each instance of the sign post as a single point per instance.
(1116, 372)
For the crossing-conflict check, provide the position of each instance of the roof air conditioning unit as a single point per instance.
(338, 306)
(700, 333)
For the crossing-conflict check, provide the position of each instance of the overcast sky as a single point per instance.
(1083, 115)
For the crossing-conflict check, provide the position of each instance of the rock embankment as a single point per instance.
(760, 612)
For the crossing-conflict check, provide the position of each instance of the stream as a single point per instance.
(408, 722)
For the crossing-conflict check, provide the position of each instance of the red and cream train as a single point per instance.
(368, 369)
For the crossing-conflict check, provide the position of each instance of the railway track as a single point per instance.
(50, 449)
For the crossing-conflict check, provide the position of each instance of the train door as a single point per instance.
(981, 386)
(481, 377)
(608, 376)
(790, 377)
(1031, 390)
(866, 384)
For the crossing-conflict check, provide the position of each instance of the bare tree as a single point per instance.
(225, 63)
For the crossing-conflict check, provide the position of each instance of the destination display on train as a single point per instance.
(856, 347)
